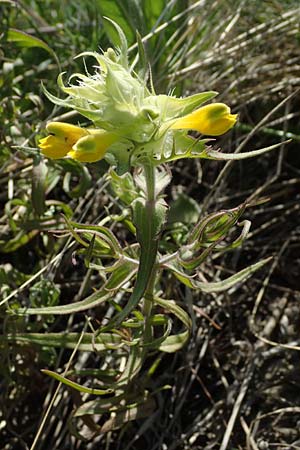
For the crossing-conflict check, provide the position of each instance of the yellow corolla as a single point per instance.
(92, 147)
(62, 137)
(213, 120)
(85, 145)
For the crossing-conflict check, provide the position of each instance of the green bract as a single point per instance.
(115, 99)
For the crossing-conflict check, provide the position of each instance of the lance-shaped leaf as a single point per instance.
(174, 342)
(26, 40)
(217, 286)
(122, 273)
(88, 343)
(235, 279)
(173, 308)
(76, 386)
(104, 238)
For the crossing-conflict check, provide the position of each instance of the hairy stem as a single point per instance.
(150, 208)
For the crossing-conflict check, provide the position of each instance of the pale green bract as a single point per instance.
(117, 100)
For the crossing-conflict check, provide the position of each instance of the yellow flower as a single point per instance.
(92, 147)
(85, 145)
(61, 139)
(213, 120)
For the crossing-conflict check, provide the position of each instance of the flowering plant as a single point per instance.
(138, 133)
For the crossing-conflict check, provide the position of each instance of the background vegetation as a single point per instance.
(236, 384)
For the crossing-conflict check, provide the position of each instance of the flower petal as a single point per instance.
(61, 139)
(92, 147)
(70, 133)
(213, 120)
(54, 147)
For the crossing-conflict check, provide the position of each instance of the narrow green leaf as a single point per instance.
(102, 233)
(239, 277)
(172, 307)
(26, 40)
(76, 386)
(120, 275)
(175, 342)
(88, 343)
(91, 301)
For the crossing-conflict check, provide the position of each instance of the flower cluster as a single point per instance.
(126, 116)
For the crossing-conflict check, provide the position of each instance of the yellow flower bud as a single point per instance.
(92, 147)
(61, 139)
(213, 120)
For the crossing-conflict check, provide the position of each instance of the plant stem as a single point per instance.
(149, 171)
